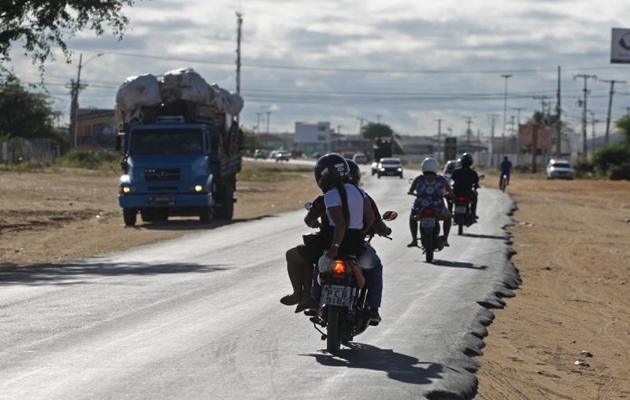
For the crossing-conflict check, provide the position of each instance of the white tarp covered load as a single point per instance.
(142, 95)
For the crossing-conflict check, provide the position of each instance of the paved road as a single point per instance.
(199, 317)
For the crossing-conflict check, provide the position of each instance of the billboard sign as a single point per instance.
(620, 46)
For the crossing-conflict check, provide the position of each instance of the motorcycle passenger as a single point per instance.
(466, 182)
(430, 189)
(349, 214)
(506, 169)
(369, 261)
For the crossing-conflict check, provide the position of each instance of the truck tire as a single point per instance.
(129, 216)
(226, 200)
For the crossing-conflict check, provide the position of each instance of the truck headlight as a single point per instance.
(198, 188)
(125, 189)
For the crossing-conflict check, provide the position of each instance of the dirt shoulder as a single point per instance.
(571, 239)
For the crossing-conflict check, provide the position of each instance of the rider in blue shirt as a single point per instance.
(506, 169)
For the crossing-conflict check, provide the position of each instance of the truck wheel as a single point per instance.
(206, 215)
(226, 197)
(129, 215)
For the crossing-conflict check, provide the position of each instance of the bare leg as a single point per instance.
(296, 271)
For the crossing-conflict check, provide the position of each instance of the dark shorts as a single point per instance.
(316, 244)
(313, 247)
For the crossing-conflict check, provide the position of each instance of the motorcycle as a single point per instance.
(463, 213)
(429, 226)
(343, 310)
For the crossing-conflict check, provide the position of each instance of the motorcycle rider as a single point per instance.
(369, 261)
(506, 169)
(466, 182)
(349, 214)
(430, 189)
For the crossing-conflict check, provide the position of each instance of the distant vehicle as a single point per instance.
(282, 155)
(559, 169)
(260, 153)
(390, 166)
(360, 158)
(449, 167)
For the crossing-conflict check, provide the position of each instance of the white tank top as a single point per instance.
(332, 198)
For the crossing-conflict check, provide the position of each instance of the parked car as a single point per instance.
(390, 166)
(559, 169)
(360, 158)
(449, 167)
(260, 153)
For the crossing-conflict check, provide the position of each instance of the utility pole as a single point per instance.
(378, 118)
(468, 133)
(439, 139)
(593, 122)
(610, 99)
(542, 108)
(559, 118)
(506, 77)
(268, 118)
(518, 113)
(586, 78)
(493, 118)
(74, 106)
(239, 23)
(360, 124)
(258, 122)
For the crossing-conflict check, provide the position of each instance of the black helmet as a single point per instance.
(330, 169)
(354, 176)
(467, 160)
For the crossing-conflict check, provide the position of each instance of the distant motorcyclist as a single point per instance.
(506, 170)
(430, 189)
(466, 182)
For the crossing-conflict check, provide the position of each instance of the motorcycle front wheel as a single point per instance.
(333, 335)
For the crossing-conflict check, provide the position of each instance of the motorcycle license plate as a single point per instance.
(460, 209)
(336, 295)
(427, 222)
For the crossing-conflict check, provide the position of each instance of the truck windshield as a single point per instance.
(162, 141)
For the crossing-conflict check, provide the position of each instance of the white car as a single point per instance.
(559, 169)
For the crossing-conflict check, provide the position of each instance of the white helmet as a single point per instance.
(430, 165)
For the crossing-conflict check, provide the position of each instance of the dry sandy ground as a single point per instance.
(571, 239)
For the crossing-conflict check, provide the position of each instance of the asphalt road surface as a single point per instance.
(199, 317)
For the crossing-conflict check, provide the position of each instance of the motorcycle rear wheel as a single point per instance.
(333, 334)
(428, 248)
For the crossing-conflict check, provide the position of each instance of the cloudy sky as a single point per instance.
(400, 62)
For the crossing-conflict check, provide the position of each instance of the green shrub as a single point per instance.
(584, 169)
(620, 172)
(90, 159)
(613, 154)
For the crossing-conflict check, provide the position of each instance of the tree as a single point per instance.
(25, 114)
(372, 131)
(250, 140)
(623, 124)
(40, 24)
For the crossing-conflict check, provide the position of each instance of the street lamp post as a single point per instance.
(75, 100)
(506, 77)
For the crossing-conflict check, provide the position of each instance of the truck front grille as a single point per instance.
(162, 174)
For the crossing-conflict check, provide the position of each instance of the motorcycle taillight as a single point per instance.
(461, 199)
(339, 268)
(427, 211)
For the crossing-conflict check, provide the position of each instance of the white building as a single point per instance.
(312, 138)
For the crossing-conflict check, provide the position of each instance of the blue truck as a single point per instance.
(181, 146)
(178, 165)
